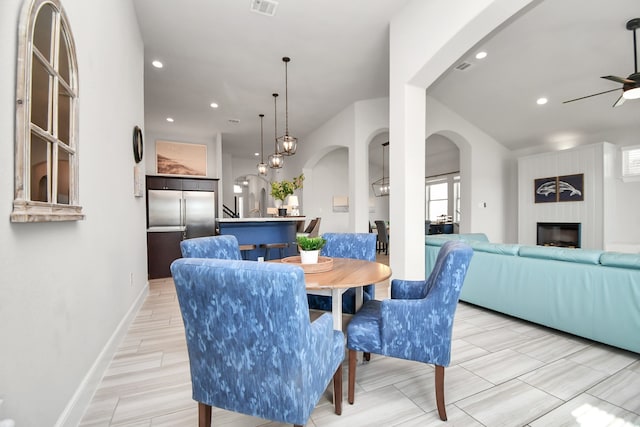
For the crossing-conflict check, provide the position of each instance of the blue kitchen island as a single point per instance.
(257, 231)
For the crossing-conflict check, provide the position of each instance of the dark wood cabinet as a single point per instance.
(199, 185)
(162, 249)
(163, 183)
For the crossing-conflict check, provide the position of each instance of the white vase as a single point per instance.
(309, 257)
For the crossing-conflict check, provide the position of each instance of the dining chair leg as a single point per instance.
(440, 392)
(337, 390)
(352, 376)
(204, 415)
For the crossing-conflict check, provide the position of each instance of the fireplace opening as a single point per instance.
(563, 234)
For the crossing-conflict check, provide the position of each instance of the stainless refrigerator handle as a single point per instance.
(183, 213)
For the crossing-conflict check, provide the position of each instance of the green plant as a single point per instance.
(311, 243)
(281, 189)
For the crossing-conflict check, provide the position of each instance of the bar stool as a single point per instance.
(269, 246)
(245, 250)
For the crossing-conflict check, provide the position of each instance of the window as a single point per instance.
(631, 163)
(442, 195)
(46, 146)
(437, 200)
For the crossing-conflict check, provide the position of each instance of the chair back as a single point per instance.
(446, 278)
(381, 226)
(220, 247)
(312, 224)
(315, 231)
(429, 339)
(350, 245)
(248, 336)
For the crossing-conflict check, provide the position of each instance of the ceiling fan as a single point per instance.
(630, 85)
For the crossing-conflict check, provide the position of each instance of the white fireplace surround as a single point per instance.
(595, 212)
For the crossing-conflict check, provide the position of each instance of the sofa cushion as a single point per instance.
(495, 248)
(617, 259)
(584, 256)
(439, 239)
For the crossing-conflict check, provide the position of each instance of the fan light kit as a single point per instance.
(631, 84)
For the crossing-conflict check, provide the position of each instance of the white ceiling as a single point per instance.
(220, 51)
(558, 50)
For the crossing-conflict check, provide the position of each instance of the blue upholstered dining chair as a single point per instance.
(417, 322)
(346, 245)
(252, 348)
(221, 247)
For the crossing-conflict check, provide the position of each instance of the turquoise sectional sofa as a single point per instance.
(589, 293)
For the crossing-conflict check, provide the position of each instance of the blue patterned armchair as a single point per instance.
(221, 247)
(252, 348)
(416, 323)
(347, 245)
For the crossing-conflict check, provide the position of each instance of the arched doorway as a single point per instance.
(442, 185)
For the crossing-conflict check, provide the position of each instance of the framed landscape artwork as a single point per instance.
(179, 158)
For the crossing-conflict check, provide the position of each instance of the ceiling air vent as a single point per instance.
(462, 66)
(264, 7)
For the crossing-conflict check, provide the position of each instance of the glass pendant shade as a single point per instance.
(381, 187)
(276, 160)
(287, 144)
(262, 166)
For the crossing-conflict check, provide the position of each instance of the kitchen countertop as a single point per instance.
(268, 219)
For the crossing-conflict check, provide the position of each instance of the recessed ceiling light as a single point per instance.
(542, 101)
(214, 105)
(170, 119)
(234, 121)
(481, 55)
(256, 154)
(157, 64)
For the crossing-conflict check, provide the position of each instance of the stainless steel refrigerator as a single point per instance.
(192, 212)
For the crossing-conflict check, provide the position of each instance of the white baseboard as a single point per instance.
(75, 409)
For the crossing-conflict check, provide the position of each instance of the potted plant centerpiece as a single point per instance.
(310, 248)
(281, 189)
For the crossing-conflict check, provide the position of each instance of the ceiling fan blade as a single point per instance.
(589, 96)
(619, 102)
(618, 79)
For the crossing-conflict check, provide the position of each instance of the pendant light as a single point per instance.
(262, 167)
(287, 143)
(381, 186)
(276, 160)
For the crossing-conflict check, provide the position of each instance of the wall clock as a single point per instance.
(137, 144)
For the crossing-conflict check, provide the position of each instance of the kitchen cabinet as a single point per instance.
(163, 247)
(163, 183)
(199, 185)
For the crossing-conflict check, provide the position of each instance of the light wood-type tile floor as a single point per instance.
(504, 372)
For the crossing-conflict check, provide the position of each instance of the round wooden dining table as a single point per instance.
(346, 273)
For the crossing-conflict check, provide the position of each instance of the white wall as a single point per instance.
(67, 286)
(330, 175)
(347, 174)
(483, 172)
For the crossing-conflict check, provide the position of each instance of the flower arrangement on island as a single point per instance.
(281, 189)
